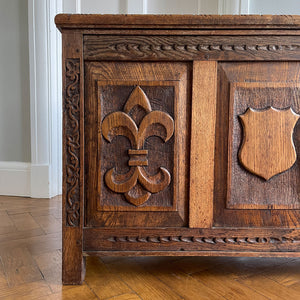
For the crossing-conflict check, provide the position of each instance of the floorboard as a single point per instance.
(30, 266)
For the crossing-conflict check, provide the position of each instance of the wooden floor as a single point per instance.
(30, 266)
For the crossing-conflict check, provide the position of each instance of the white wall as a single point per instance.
(142, 6)
(172, 7)
(183, 6)
(277, 7)
(100, 7)
(30, 98)
(14, 82)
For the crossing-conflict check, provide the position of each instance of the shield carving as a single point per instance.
(268, 147)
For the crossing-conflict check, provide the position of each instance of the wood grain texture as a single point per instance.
(98, 47)
(208, 253)
(202, 155)
(181, 240)
(80, 292)
(178, 279)
(268, 147)
(67, 21)
(72, 136)
(148, 95)
(225, 285)
(111, 277)
(120, 123)
(275, 291)
(23, 221)
(146, 285)
(103, 281)
(19, 266)
(165, 87)
(31, 290)
(73, 262)
(281, 192)
(6, 224)
(248, 200)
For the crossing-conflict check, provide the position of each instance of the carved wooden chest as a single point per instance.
(181, 136)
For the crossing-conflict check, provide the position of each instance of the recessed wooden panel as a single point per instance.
(272, 147)
(137, 132)
(243, 197)
(120, 182)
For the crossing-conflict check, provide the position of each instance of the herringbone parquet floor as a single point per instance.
(30, 266)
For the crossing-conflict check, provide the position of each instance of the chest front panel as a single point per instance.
(181, 136)
(137, 141)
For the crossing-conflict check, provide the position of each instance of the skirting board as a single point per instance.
(40, 185)
(15, 178)
(25, 179)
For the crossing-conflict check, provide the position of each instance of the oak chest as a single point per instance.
(180, 136)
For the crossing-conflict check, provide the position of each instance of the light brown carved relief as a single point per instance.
(268, 147)
(137, 185)
(247, 190)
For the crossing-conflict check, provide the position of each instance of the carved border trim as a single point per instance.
(124, 47)
(72, 135)
(206, 240)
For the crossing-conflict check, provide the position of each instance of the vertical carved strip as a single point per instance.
(72, 118)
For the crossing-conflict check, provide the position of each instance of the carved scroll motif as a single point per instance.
(71, 118)
(137, 185)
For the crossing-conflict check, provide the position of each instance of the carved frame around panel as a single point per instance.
(205, 240)
(72, 141)
(249, 86)
(204, 47)
(192, 48)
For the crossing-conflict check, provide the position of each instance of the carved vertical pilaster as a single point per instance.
(73, 262)
(72, 128)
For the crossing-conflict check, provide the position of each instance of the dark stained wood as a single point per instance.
(137, 185)
(195, 253)
(170, 47)
(69, 21)
(160, 155)
(73, 261)
(259, 86)
(161, 92)
(186, 239)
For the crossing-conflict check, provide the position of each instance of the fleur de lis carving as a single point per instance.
(121, 123)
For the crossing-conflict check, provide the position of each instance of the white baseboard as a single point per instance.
(26, 179)
(40, 187)
(15, 178)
